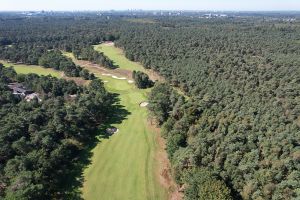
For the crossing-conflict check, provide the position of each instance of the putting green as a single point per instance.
(27, 69)
(124, 165)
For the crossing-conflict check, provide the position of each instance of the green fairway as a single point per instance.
(117, 55)
(27, 69)
(124, 165)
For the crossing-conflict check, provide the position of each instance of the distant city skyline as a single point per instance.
(218, 5)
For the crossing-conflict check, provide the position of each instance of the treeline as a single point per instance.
(56, 60)
(90, 54)
(64, 33)
(40, 142)
(241, 122)
(165, 104)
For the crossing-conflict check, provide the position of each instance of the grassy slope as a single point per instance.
(117, 55)
(123, 166)
(27, 69)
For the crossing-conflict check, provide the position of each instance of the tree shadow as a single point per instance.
(114, 66)
(71, 188)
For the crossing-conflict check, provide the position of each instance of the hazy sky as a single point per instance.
(150, 4)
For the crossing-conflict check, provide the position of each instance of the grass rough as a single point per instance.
(27, 69)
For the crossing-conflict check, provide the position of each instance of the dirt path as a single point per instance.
(77, 80)
(116, 72)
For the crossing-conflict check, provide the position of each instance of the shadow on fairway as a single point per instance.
(74, 179)
(115, 65)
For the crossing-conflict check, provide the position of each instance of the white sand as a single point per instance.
(106, 74)
(120, 78)
(144, 104)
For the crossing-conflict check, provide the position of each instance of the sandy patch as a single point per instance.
(77, 80)
(113, 76)
(120, 78)
(105, 81)
(130, 81)
(106, 74)
(144, 104)
(163, 170)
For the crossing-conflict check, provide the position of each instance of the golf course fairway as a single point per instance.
(117, 55)
(123, 166)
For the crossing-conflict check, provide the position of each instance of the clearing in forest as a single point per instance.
(27, 69)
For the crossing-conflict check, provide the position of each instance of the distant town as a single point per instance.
(268, 15)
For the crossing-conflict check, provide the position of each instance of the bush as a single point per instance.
(142, 80)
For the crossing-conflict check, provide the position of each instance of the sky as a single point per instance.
(220, 5)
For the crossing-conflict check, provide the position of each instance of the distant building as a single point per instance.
(19, 89)
(32, 96)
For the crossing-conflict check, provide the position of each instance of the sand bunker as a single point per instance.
(120, 78)
(144, 104)
(105, 81)
(106, 74)
(113, 76)
(130, 81)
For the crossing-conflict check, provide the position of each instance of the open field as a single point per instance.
(124, 165)
(27, 69)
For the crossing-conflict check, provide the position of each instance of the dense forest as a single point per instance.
(242, 120)
(40, 141)
(56, 34)
(236, 136)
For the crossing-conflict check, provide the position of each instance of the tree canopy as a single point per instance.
(40, 142)
(141, 80)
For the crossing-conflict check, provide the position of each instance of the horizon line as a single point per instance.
(118, 10)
